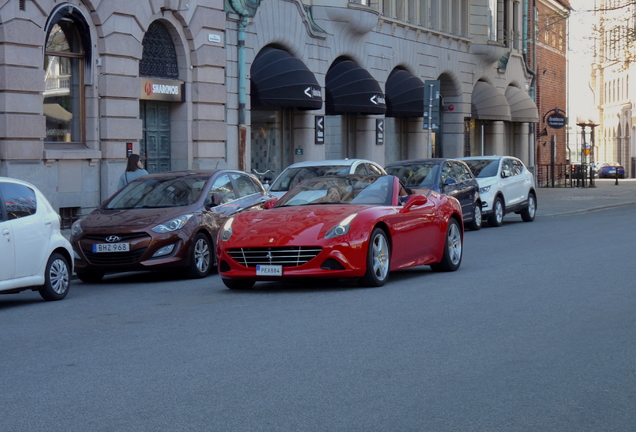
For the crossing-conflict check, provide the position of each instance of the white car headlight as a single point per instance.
(226, 231)
(172, 225)
(484, 189)
(342, 228)
(76, 228)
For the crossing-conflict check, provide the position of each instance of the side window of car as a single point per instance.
(462, 172)
(447, 173)
(374, 169)
(361, 169)
(517, 167)
(244, 185)
(221, 191)
(19, 200)
(506, 167)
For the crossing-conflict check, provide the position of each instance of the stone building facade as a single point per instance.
(355, 79)
(614, 95)
(549, 48)
(85, 82)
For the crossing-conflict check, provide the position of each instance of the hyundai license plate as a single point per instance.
(111, 247)
(269, 270)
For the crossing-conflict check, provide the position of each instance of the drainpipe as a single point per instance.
(242, 126)
(531, 71)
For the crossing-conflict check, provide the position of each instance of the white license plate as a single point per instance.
(111, 247)
(269, 270)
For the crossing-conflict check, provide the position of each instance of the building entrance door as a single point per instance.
(155, 141)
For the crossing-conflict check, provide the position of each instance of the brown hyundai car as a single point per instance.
(161, 221)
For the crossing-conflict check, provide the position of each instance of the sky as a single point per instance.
(580, 58)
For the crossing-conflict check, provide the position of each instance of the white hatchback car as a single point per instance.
(505, 186)
(294, 174)
(34, 253)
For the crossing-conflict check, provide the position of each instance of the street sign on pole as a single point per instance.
(431, 104)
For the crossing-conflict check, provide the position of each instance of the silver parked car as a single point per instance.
(294, 174)
(505, 186)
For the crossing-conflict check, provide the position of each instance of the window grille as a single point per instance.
(159, 58)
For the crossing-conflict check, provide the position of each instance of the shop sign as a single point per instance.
(556, 120)
(319, 130)
(162, 90)
(379, 131)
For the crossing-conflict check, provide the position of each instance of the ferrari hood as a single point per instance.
(135, 218)
(285, 225)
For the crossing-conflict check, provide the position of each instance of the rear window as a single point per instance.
(19, 200)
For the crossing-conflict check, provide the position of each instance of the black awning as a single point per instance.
(404, 95)
(351, 89)
(281, 80)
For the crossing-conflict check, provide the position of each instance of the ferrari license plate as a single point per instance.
(269, 270)
(111, 247)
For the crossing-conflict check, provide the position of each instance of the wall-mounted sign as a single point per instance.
(162, 90)
(379, 131)
(319, 130)
(556, 120)
(299, 151)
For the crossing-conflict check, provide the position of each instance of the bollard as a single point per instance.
(616, 183)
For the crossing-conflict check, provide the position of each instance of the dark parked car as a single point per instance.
(447, 176)
(161, 221)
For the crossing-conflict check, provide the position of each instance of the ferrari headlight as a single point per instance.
(172, 225)
(342, 228)
(484, 189)
(226, 231)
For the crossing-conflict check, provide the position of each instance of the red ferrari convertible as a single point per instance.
(354, 226)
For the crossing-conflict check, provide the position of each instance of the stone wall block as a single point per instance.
(120, 129)
(209, 56)
(22, 126)
(120, 86)
(22, 79)
(209, 131)
(208, 93)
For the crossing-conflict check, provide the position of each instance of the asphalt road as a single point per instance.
(535, 332)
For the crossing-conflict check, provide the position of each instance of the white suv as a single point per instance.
(505, 186)
(33, 253)
(294, 174)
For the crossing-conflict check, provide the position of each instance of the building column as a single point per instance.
(366, 147)
(495, 143)
(522, 142)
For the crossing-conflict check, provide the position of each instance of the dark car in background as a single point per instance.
(162, 221)
(447, 176)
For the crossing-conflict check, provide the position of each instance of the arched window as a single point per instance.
(66, 50)
(159, 58)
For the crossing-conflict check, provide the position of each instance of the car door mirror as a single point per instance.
(450, 181)
(413, 201)
(505, 173)
(270, 204)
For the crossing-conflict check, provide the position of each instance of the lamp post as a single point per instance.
(587, 149)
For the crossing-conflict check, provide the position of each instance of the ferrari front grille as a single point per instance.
(292, 256)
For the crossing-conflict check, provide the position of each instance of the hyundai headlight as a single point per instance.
(76, 228)
(226, 231)
(172, 225)
(484, 189)
(342, 228)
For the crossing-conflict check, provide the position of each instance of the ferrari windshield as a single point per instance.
(415, 175)
(483, 168)
(350, 189)
(158, 193)
(292, 176)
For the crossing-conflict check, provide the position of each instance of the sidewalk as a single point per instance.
(564, 201)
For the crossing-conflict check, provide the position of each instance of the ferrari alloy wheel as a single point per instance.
(528, 213)
(496, 217)
(201, 257)
(57, 278)
(475, 224)
(238, 284)
(453, 249)
(378, 260)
